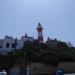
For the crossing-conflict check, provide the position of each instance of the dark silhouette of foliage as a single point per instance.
(51, 52)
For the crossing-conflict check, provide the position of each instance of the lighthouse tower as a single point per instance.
(40, 34)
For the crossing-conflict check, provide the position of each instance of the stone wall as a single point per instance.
(68, 67)
(39, 68)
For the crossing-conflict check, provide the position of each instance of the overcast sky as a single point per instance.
(18, 17)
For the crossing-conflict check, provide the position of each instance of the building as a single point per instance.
(9, 43)
(52, 42)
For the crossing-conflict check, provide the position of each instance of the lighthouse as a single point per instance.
(40, 34)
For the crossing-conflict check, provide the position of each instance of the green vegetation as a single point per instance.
(51, 52)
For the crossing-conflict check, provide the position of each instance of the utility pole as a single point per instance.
(25, 58)
(26, 62)
(15, 43)
(23, 66)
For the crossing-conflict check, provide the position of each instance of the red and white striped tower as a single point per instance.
(40, 34)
